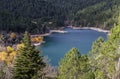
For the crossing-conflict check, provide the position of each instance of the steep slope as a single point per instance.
(103, 14)
(41, 15)
(20, 15)
(95, 13)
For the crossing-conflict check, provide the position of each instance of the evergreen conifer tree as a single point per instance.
(69, 65)
(28, 62)
(74, 66)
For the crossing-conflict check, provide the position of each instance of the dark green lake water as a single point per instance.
(58, 44)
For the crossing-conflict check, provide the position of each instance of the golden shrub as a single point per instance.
(10, 49)
(37, 39)
(20, 45)
(3, 55)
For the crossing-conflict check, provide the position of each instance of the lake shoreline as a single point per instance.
(79, 28)
(90, 28)
(76, 28)
(73, 27)
(47, 34)
(51, 31)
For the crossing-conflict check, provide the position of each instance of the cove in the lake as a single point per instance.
(57, 44)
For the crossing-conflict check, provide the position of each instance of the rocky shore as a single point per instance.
(63, 31)
(91, 28)
(47, 34)
(51, 31)
(81, 28)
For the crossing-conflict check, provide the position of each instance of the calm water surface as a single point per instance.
(58, 44)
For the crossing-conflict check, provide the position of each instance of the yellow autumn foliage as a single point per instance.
(10, 49)
(37, 39)
(3, 56)
(8, 56)
(10, 53)
(13, 54)
(20, 46)
(11, 57)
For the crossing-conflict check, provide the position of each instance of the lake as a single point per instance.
(57, 44)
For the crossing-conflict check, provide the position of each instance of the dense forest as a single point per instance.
(30, 15)
(38, 16)
(26, 62)
(96, 13)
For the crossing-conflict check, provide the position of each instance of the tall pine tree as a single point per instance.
(104, 57)
(74, 66)
(28, 62)
(69, 65)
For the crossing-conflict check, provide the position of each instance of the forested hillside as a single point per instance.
(41, 15)
(31, 15)
(102, 62)
(95, 13)
(24, 61)
(103, 14)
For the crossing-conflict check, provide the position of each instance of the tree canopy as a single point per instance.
(38, 16)
(29, 62)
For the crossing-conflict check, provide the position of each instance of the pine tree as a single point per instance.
(85, 70)
(74, 66)
(104, 57)
(96, 45)
(28, 62)
(95, 51)
(69, 65)
(117, 66)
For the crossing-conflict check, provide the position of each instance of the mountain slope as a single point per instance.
(38, 16)
(103, 14)
(21, 15)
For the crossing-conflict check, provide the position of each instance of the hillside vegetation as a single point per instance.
(38, 16)
(102, 62)
(95, 13)
(103, 14)
(30, 15)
